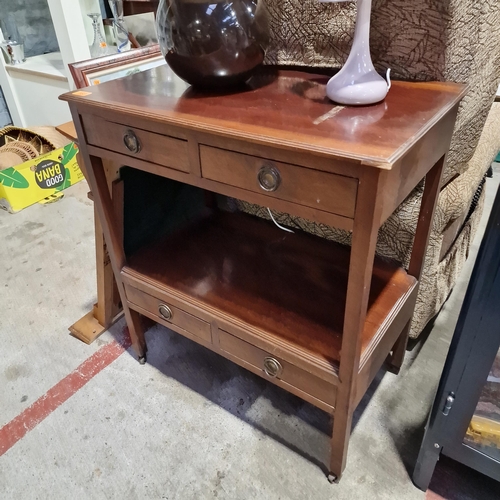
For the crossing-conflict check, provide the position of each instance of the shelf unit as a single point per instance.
(312, 316)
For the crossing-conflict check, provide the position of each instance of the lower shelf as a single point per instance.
(287, 289)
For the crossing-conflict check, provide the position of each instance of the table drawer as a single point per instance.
(324, 191)
(161, 149)
(167, 314)
(274, 368)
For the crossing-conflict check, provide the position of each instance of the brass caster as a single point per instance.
(142, 360)
(332, 478)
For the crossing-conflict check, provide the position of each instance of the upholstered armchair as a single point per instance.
(456, 40)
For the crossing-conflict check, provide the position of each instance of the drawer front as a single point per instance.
(274, 368)
(137, 143)
(168, 314)
(321, 190)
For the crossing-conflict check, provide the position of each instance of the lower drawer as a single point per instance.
(276, 369)
(166, 314)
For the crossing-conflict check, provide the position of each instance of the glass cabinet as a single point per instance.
(464, 422)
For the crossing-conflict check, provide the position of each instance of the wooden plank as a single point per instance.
(87, 329)
(108, 309)
(68, 130)
(104, 274)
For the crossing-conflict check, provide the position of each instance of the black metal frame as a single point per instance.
(473, 349)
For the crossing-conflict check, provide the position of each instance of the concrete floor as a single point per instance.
(189, 424)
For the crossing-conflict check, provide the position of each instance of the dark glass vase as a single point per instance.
(214, 43)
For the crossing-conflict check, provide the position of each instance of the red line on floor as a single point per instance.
(18, 427)
(430, 495)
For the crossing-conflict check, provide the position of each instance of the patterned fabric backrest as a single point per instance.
(456, 40)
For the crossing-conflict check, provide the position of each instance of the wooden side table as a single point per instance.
(312, 316)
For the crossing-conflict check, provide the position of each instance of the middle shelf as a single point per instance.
(288, 289)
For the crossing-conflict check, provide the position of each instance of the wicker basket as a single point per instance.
(18, 145)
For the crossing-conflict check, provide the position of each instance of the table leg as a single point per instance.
(107, 212)
(364, 240)
(423, 231)
(136, 330)
(396, 358)
(110, 214)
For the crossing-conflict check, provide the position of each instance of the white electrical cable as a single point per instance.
(388, 78)
(281, 227)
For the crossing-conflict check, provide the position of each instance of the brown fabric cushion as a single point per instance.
(456, 40)
(439, 278)
(455, 198)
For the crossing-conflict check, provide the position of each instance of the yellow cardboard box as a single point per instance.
(34, 180)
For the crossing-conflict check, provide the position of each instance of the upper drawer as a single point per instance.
(156, 148)
(328, 192)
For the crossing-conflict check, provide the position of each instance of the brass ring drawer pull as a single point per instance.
(272, 367)
(131, 142)
(269, 178)
(165, 312)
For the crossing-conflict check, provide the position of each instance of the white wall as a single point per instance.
(38, 97)
(70, 32)
(32, 89)
(10, 95)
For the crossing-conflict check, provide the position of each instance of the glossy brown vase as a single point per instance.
(214, 43)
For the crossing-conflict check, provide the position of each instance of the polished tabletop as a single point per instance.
(282, 107)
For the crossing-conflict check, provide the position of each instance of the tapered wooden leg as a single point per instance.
(395, 360)
(364, 240)
(342, 423)
(102, 179)
(423, 231)
(136, 330)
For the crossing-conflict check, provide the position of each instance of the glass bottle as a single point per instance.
(99, 46)
(12, 45)
(119, 27)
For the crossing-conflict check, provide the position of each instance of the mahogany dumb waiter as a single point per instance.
(312, 316)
